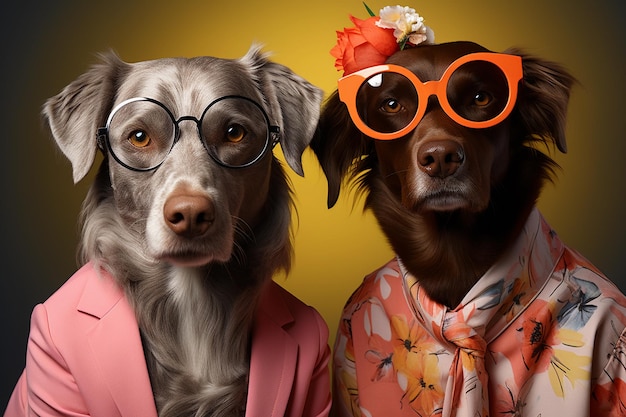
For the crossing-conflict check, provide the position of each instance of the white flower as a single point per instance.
(407, 24)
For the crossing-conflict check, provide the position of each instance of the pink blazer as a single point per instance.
(85, 356)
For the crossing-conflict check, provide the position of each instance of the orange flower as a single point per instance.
(363, 46)
(538, 336)
(421, 384)
(610, 399)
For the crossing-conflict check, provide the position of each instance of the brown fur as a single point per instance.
(498, 181)
(192, 243)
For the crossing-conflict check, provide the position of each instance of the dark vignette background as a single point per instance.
(45, 45)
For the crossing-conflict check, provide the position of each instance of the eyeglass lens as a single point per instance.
(141, 134)
(233, 130)
(476, 91)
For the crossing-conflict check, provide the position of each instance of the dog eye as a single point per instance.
(235, 133)
(391, 106)
(139, 139)
(482, 98)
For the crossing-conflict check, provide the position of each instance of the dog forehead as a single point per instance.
(429, 62)
(187, 84)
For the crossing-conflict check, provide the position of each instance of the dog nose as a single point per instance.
(189, 215)
(440, 158)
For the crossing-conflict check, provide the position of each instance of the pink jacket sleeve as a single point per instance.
(319, 400)
(46, 388)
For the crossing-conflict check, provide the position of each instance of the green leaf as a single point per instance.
(371, 13)
(403, 42)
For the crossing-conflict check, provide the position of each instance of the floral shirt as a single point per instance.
(541, 334)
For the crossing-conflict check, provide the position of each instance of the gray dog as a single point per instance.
(174, 311)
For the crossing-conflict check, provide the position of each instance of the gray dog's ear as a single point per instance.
(79, 109)
(294, 104)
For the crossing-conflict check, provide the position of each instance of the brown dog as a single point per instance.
(447, 141)
(450, 198)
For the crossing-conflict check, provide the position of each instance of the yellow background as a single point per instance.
(48, 44)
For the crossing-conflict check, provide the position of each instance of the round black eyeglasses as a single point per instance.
(140, 132)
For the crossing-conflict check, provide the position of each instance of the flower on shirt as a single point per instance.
(348, 391)
(519, 295)
(507, 402)
(409, 341)
(610, 396)
(383, 362)
(579, 308)
(416, 364)
(548, 348)
(420, 384)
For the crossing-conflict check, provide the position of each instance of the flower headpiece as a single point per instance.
(375, 39)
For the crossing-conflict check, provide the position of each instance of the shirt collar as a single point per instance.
(504, 291)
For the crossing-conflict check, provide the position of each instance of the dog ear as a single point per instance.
(338, 145)
(294, 104)
(543, 99)
(75, 114)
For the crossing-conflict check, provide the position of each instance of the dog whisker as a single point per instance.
(243, 228)
(239, 254)
(244, 235)
(391, 174)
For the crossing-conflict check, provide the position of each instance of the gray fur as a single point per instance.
(195, 319)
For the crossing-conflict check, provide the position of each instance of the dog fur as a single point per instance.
(194, 291)
(449, 243)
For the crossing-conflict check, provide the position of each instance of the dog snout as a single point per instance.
(189, 214)
(440, 158)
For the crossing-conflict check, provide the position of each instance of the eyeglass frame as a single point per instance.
(349, 86)
(102, 133)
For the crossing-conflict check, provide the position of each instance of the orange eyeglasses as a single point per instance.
(477, 90)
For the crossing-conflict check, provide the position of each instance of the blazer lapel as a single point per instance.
(273, 360)
(116, 346)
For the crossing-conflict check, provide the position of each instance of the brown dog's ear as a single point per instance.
(294, 104)
(543, 98)
(79, 109)
(338, 145)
